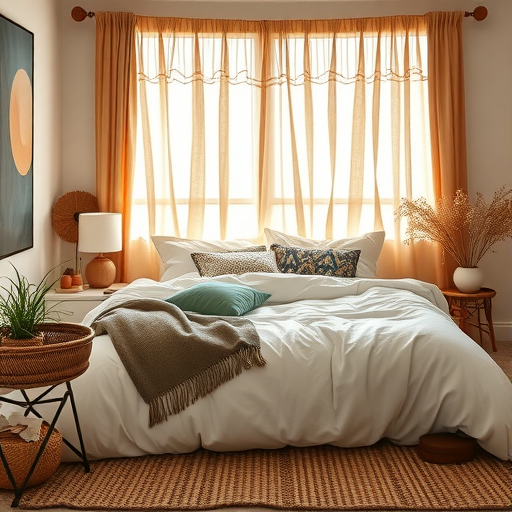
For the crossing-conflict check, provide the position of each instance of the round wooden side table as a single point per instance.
(466, 309)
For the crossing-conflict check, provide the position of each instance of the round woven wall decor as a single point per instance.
(66, 210)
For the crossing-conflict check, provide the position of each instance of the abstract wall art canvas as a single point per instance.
(16, 138)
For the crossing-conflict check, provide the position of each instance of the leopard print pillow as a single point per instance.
(211, 264)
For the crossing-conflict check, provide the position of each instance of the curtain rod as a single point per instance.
(79, 14)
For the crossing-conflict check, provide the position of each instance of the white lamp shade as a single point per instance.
(100, 232)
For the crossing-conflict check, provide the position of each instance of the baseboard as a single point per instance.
(503, 331)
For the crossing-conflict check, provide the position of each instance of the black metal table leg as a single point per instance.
(82, 453)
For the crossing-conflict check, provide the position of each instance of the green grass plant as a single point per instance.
(22, 306)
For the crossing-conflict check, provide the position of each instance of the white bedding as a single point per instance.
(349, 361)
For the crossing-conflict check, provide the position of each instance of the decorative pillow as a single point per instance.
(211, 264)
(223, 299)
(175, 252)
(325, 262)
(370, 245)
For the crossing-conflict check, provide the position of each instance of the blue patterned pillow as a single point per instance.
(326, 262)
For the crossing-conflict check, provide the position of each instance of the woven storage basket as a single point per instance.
(20, 455)
(63, 356)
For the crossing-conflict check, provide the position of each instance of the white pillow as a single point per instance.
(370, 245)
(175, 252)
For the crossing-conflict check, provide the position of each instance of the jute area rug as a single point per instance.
(381, 477)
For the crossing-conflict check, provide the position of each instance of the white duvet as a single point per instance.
(349, 361)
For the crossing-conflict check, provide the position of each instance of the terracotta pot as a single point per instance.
(76, 280)
(66, 281)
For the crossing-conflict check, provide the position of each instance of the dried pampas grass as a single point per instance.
(463, 229)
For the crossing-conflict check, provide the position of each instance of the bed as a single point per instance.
(348, 361)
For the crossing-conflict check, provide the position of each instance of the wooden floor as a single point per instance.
(503, 356)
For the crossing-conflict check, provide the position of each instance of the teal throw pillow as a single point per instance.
(222, 299)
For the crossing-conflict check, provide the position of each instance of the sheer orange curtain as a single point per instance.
(446, 100)
(447, 116)
(116, 118)
(314, 178)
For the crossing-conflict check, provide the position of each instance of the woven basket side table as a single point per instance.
(64, 356)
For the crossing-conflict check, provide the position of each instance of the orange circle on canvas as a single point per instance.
(20, 121)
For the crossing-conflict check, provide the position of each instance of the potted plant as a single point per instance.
(465, 230)
(22, 309)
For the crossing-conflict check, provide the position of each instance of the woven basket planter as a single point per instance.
(63, 356)
(27, 342)
(20, 455)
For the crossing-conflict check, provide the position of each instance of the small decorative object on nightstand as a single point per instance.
(466, 308)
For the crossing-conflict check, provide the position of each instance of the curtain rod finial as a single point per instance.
(480, 13)
(79, 14)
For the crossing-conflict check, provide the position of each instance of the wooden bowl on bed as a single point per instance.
(63, 356)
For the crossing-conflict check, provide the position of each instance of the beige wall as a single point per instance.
(42, 18)
(488, 67)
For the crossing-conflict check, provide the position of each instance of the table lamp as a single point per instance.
(100, 232)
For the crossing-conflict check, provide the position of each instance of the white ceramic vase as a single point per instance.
(468, 280)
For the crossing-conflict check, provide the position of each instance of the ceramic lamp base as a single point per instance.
(100, 272)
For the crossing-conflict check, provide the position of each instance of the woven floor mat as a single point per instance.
(383, 476)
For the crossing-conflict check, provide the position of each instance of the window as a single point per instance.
(318, 133)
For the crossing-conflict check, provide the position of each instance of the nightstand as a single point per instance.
(466, 309)
(74, 306)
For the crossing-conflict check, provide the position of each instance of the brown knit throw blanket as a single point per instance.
(175, 358)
